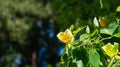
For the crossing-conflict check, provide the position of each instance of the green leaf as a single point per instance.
(75, 42)
(80, 53)
(117, 35)
(110, 29)
(116, 64)
(71, 27)
(118, 9)
(93, 33)
(71, 64)
(95, 38)
(62, 64)
(76, 53)
(117, 32)
(78, 30)
(94, 58)
(117, 57)
(64, 58)
(84, 38)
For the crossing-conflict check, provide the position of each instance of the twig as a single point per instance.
(105, 38)
(99, 41)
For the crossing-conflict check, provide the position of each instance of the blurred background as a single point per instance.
(28, 28)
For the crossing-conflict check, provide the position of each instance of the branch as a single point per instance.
(107, 38)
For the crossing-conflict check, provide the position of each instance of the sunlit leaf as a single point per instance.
(117, 32)
(78, 30)
(110, 29)
(117, 57)
(84, 37)
(117, 35)
(94, 32)
(116, 64)
(118, 9)
(71, 27)
(75, 42)
(94, 58)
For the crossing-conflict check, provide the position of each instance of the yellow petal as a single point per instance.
(65, 36)
(109, 50)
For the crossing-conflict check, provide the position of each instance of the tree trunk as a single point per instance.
(34, 59)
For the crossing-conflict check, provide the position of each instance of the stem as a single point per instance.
(111, 62)
(106, 38)
(101, 4)
(99, 41)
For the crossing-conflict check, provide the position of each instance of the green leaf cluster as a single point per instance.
(87, 51)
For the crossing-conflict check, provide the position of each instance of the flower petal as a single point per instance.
(65, 36)
(110, 49)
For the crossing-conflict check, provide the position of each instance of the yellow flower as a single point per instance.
(65, 36)
(111, 50)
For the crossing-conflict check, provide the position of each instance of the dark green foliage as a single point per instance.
(84, 10)
(80, 54)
